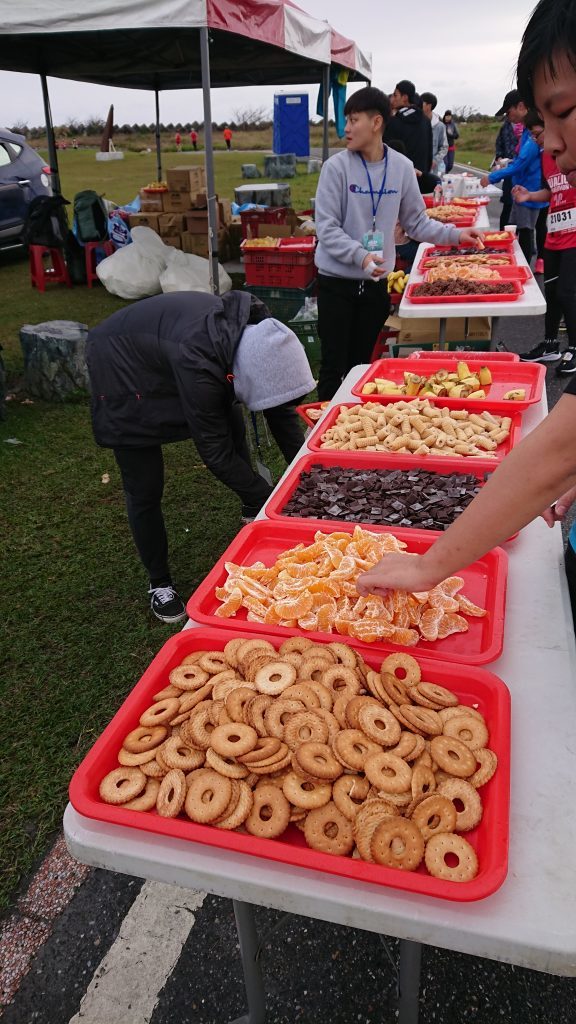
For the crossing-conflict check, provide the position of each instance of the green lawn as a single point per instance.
(75, 629)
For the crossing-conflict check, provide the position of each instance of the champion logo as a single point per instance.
(358, 190)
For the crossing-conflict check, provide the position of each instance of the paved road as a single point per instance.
(128, 952)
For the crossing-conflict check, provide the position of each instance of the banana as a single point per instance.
(516, 395)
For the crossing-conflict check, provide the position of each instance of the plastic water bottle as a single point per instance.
(448, 192)
(438, 195)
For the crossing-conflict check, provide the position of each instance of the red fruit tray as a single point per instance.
(266, 539)
(490, 839)
(303, 411)
(505, 377)
(433, 300)
(453, 461)
(501, 357)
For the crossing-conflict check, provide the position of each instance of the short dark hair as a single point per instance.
(447, 113)
(407, 88)
(369, 101)
(429, 97)
(533, 119)
(550, 32)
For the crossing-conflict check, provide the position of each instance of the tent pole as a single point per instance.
(209, 162)
(325, 126)
(158, 146)
(52, 157)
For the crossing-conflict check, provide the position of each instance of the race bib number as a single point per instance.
(561, 220)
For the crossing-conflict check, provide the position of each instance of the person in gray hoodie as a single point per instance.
(178, 366)
(439, 136)
(363, 192)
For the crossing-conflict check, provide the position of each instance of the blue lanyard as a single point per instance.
(375, 205)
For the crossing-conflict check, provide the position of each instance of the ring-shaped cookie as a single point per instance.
(388, 772)
(121, 785)
(234, 739)
(438, 848)
(397, 843)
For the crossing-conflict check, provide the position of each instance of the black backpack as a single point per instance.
(90, 217)
(75, 259)
(46, 222)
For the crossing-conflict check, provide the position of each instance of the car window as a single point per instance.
(4, 155)
(14, 148)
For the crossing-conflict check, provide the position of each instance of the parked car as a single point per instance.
(23, 176)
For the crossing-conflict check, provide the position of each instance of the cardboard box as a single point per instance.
(292, 228)
(173, 240)
(144, 220)
(235, 240)
(197, 244)
(175, 202)
(197, 219)
(150, 203)
(172, 223)
(186, 179)
(427, 329)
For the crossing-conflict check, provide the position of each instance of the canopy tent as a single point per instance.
(175, 44)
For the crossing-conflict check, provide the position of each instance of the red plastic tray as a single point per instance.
(460, 461)
(439, 251)
(505, 377)
(265, 539)
(302, 411)
(490, 839)
(434, 300)
(350, 460)
(495, 243)
(500, 357)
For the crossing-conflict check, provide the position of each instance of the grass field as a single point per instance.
(75, 633)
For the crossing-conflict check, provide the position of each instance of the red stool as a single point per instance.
(90, 257)
(381, 348)
(57, 272)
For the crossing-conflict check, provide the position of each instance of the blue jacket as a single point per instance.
(525, 169)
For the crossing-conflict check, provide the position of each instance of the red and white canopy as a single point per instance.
(154, 44)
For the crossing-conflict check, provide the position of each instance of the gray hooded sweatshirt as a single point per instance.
(343, 212)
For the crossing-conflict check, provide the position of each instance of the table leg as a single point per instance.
(409, 981)
(442, 332)
(249, 946)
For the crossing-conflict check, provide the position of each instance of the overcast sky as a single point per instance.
(466, 62)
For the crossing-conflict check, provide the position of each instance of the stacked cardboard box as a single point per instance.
(180, 215)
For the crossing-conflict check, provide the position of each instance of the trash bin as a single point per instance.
(55, 359)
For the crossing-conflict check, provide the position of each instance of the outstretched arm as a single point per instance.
(528, 481)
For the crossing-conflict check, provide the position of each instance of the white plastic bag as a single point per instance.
(134, 271)
(188, 273)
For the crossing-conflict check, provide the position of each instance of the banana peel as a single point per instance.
(516, 395)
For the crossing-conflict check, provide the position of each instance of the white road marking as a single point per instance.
(127, 982)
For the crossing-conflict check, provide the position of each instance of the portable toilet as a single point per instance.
(291, 127)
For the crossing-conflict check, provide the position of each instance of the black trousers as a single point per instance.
(541, 232)
(142, 472)
(351, 315)
(560, 292)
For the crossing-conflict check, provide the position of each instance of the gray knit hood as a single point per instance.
(270, 366)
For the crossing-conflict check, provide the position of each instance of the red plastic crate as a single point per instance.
(251, 219)
(434, 300)
(314, 441)
(496, 243)
(505, 377)
(266, 539)
(289, 265)
(472, 685)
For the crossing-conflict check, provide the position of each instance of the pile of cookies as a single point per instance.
(378, 765)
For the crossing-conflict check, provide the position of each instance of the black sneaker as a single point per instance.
(545, 352)
(166, 604)
(568, 364)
